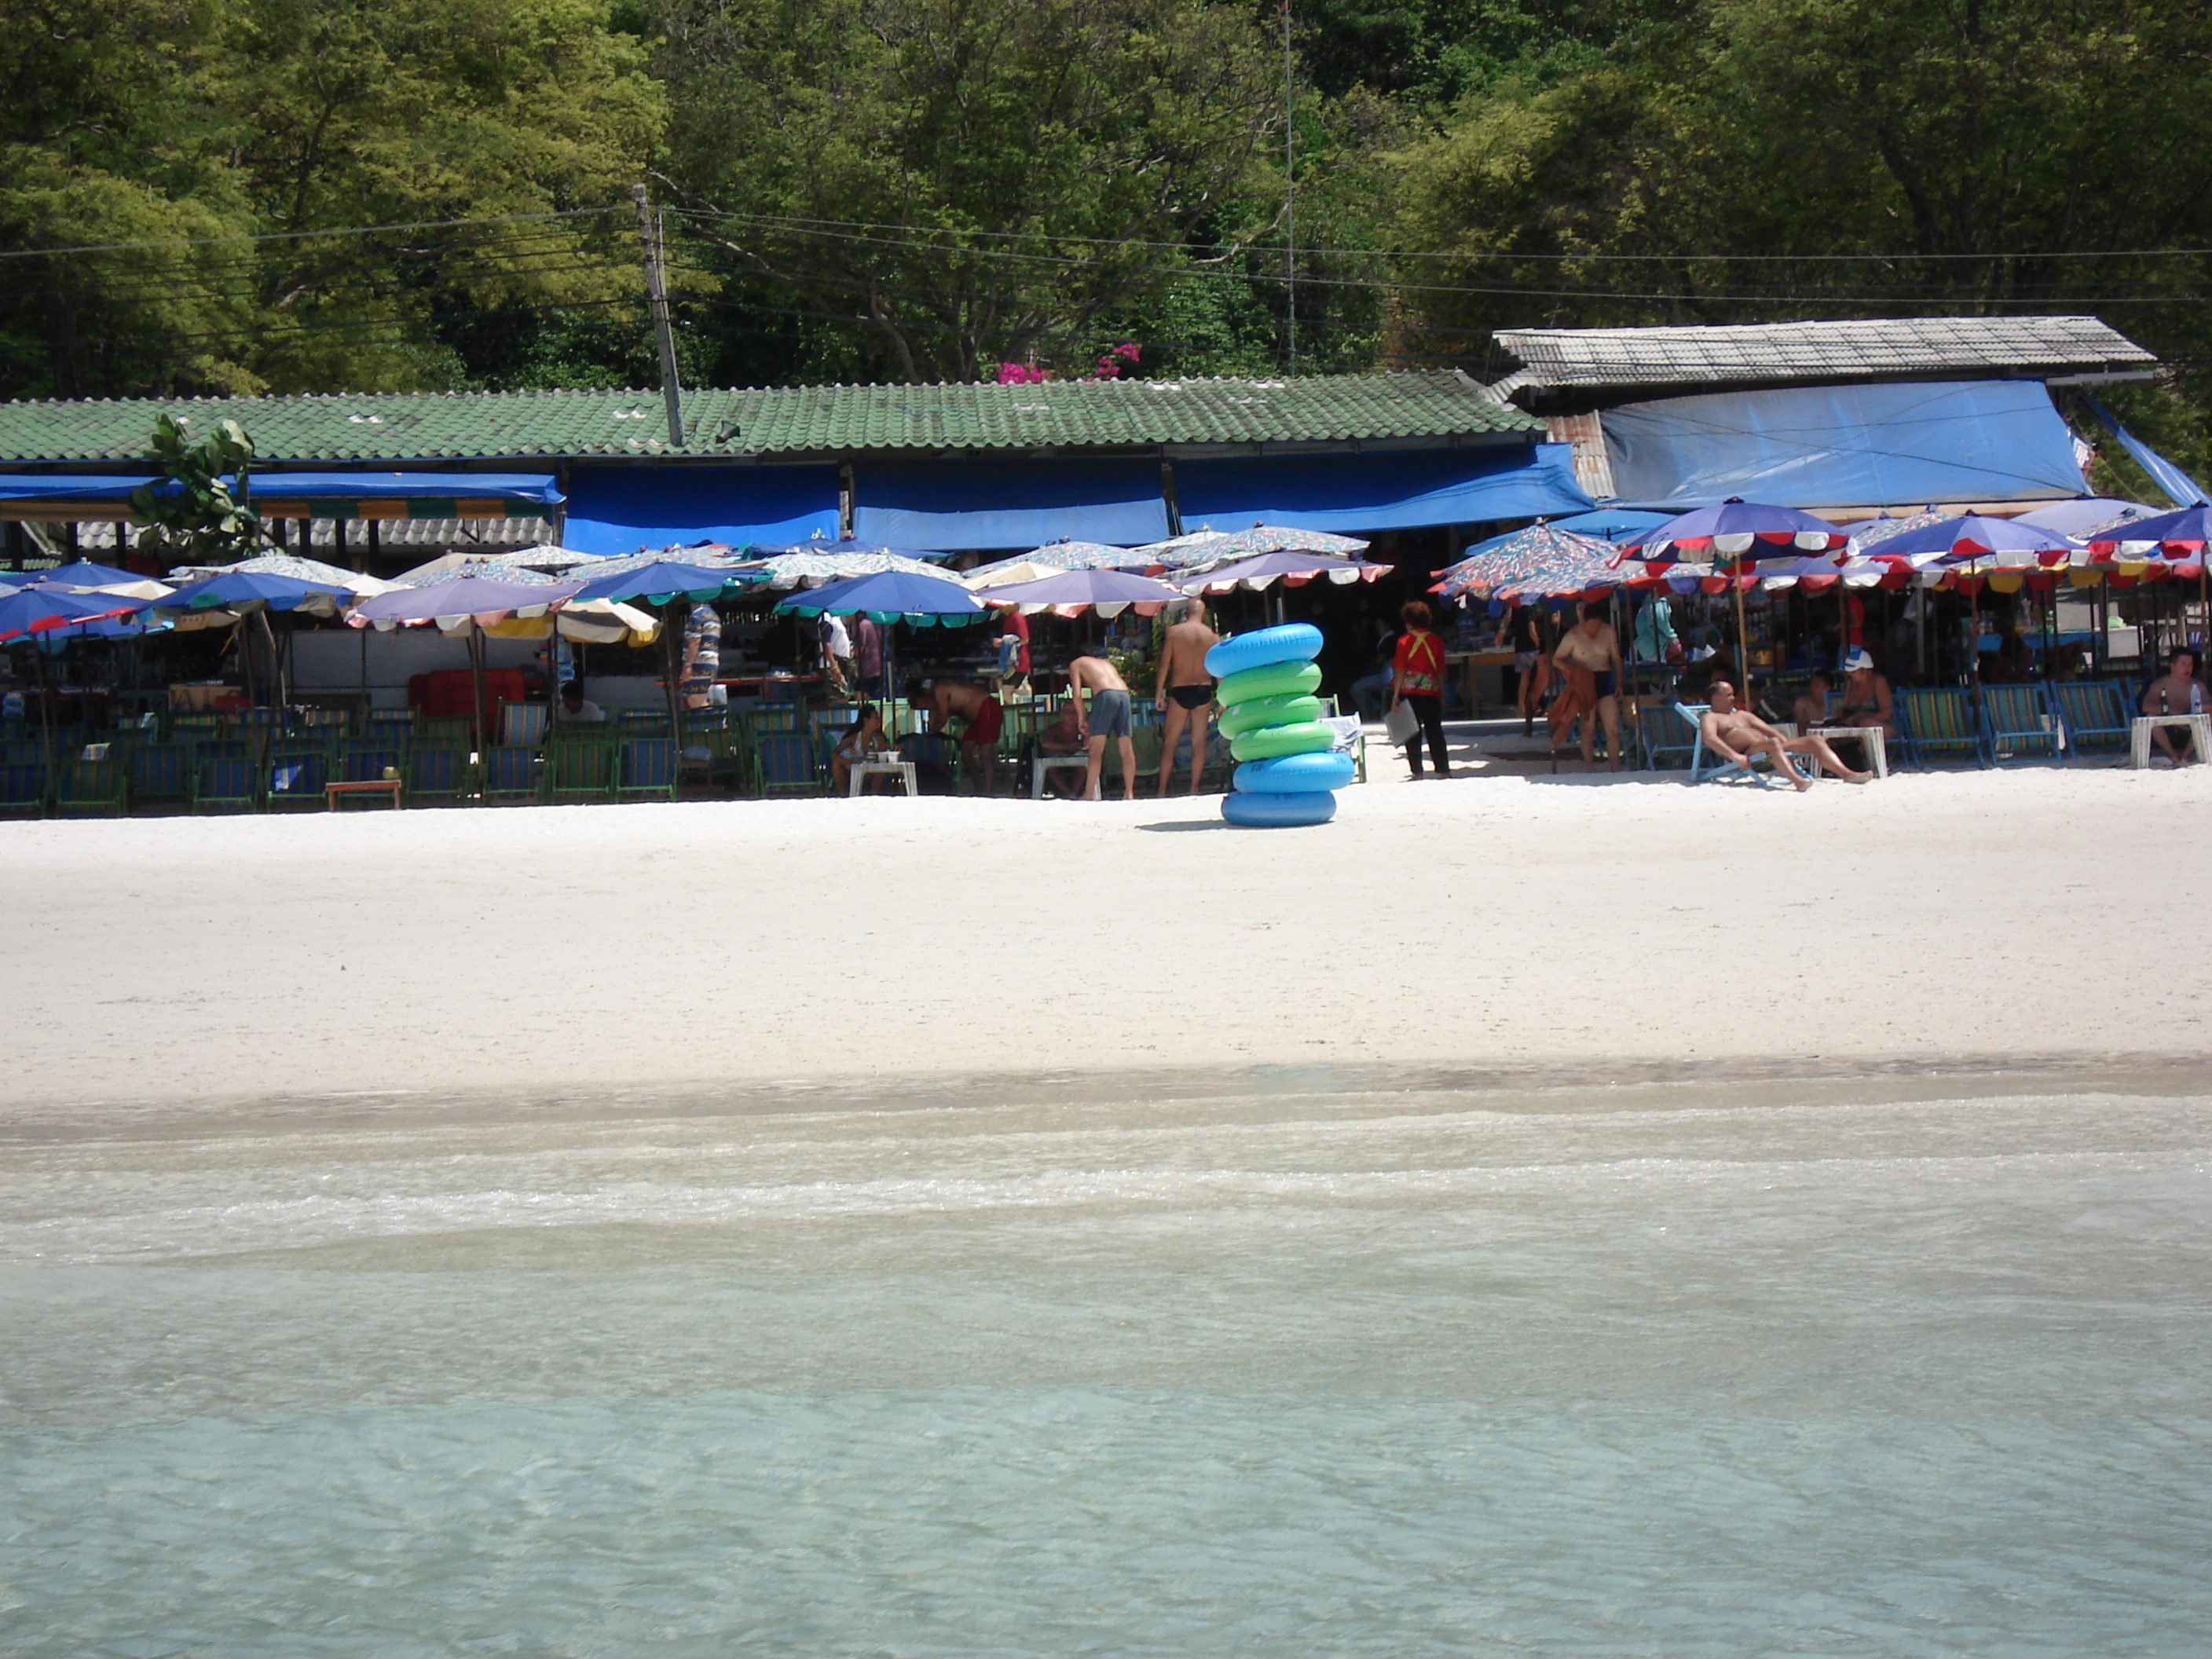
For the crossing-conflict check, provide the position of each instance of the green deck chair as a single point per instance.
(508, 776)
(296, 771)
(2094, 713)
(1937, 721)
(92, 788)
(223, 781)
(437, 771)
(160, 771)
(23, 789)
(2017, 723)
(648, 769)
(580, 768)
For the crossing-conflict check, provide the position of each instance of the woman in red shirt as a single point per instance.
(1417, 678)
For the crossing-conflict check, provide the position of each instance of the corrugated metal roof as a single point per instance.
(811, 420)
(1882, 348)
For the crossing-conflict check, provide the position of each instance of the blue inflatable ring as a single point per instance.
(1279, 679)
(1279, 811)
(1268, 741)
(1291, 774)
(1292, 642)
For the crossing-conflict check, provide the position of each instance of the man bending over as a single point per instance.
(1107, 717)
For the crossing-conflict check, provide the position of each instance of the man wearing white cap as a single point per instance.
(1866, 695)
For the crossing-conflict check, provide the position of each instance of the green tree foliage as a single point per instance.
(202, 512)
(957, 182)
(140, 134)
(1997, 156)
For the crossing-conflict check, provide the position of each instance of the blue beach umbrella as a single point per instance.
(83, 575)
(658, 580)
(242, 590)
(41, 610)
(891, 596)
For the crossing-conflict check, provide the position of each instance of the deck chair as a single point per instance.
(449, 728)
(523, 723)
(580, 769)
(24, 751)
(161, 771)
(296, 773)
(715, 758)
(363, 760)
(1936, 722)
(1660, 738)
(648, 769)
(389, 725)
(23, 789)
(787, 765)
(87, 788)
(223, 782)
(1704, 766)
(436, 771)
(2017, 723)
(2094, 713)
(644, 722)
(507, 776)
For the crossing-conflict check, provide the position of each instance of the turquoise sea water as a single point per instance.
(1282, 1371)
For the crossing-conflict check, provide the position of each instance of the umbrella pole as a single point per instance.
(476, 684)
(1742, 645)
(45, 712)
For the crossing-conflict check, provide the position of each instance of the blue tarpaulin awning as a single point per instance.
(1844, 445)
(438, 490)
(1008, 504)
(624, 509)
(2180, 489)
(1392, 491)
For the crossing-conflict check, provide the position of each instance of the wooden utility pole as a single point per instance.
(656, 294)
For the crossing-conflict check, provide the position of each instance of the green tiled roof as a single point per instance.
(795, 420)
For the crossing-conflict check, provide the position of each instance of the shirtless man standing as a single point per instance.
(1108, 717)
(983, 715)
(1183, 690)
(1737, 734)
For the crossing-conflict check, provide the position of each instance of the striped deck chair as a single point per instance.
(85, 789)
(1704, 766)
(1660, 738)
(296, 773)
(1936, 721)
(523, 723)
(223, 782)
(508, 776)
(437, 771)
(161, 771)
(23, 789)
(648, 769)
(2094, 713)
(2017, 723)
(788, 763)
(580, 768)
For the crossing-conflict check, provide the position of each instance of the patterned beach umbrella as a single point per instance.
(1263, 538)
(1052, 558)
(1179, 552)
(333, 577)
(1265, 570)
(811, 566)
(1522, 557)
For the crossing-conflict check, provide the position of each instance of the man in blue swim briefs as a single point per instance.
(1107, 717)
(1183, 690)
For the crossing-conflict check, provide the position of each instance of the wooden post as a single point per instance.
(656, 294)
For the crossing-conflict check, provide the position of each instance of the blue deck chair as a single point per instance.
(1659, 737)
(161, 771)
(648, 768)
(363, 760)
(2094, 713)
(222, 781)
(508, 773)
(1704, 766)
(787, 763)
(23, 789)
(297, 772)
(437, 771)
(2017, 723)
(86, 789)
(1936, 722)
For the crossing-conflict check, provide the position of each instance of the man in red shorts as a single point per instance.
(982, 714)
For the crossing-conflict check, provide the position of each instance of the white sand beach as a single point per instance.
(1487, 920)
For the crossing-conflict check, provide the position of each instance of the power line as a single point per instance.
(300, 235)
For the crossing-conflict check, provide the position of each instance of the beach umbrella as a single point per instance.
(1519, 556)
(2084, 514)
(1610, 523)
(815, 563)
(336, 579)
(1052, 558)
(84, 576)
(1264, 570)
(239, 591)
(924, 599)
(2177, 539)
(1974, 538)
(1264, 538)
(658, 579)
(466, 605)
(1069, 592)
(1727, 534)
(39, 609)
(1187, 552)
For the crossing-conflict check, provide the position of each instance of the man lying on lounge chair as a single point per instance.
(1737, 734)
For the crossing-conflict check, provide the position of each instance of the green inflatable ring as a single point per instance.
(1269, 741)
(1269, 711)
(1276, 679)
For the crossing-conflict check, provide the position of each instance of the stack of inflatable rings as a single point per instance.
(1287, 773)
